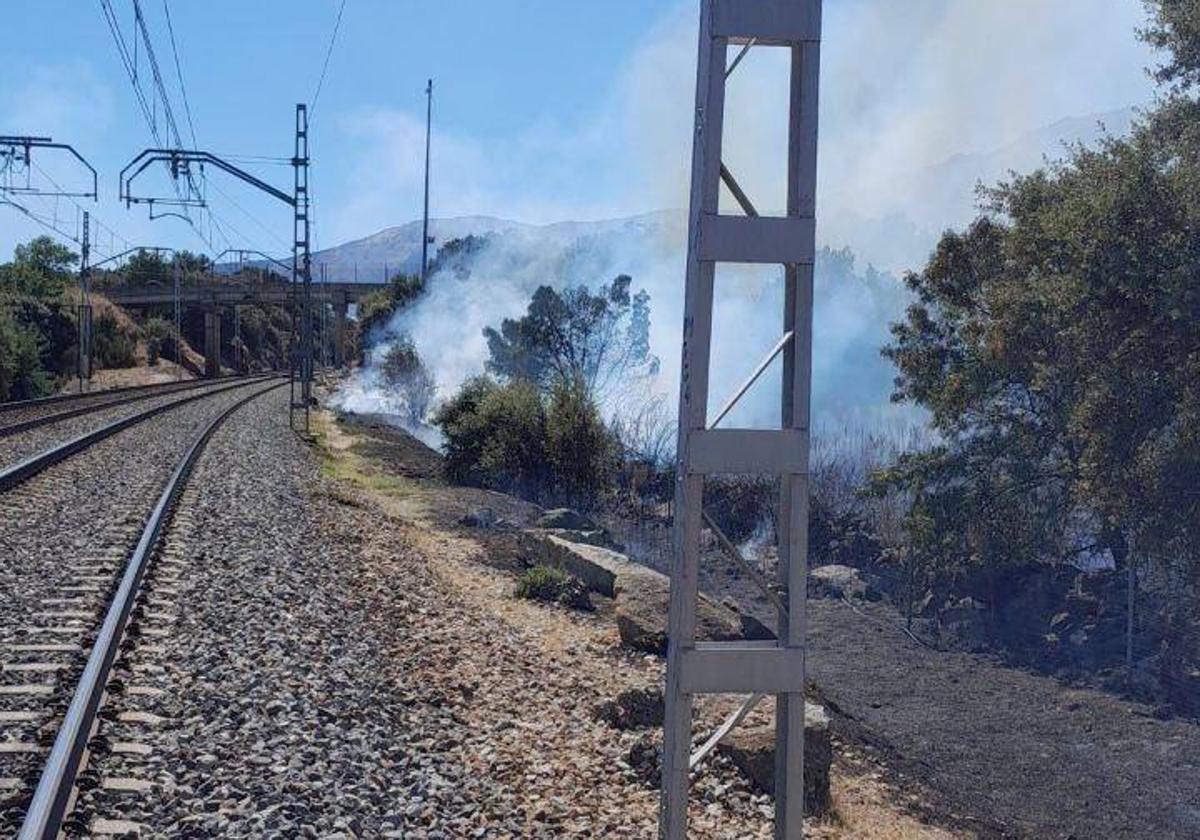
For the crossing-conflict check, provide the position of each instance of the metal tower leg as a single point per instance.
(302, 364)
(752, 668)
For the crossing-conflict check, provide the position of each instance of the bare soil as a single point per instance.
(104, 380)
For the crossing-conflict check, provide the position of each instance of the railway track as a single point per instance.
(58, 401)
(31, 436)
(79, 536)
(18, 417)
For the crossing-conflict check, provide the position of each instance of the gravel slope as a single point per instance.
(279, 716)
(310, 674)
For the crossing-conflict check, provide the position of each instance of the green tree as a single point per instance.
(404, 374)
(495, 436)
(160, 339)
(41, 268)
(1056, 344)
(21, 373)
(147, 268)
(376, 310)
(601, 340)
(580, 450)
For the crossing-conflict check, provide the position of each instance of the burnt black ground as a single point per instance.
(1012, 748)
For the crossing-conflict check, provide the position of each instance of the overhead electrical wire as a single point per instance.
(187, 108)
(52, 225)
(195, 194)
(95, 220)
(337, 24)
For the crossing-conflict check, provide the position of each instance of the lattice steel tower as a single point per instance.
(752, 668)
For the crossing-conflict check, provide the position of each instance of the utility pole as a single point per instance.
(179, 161)
(178, 319)
(302, 259)
(425, 217)
(85, 307)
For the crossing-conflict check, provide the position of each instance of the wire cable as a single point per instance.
(187, 108)
(328, 53)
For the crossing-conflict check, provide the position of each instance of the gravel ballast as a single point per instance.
(307, 673)
(64, 537)
(30, 442)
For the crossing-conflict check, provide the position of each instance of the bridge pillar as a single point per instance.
(212, 341)
(340, 308)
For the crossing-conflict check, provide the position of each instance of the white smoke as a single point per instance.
(905, 87)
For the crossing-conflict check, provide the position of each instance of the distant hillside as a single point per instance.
(398, 248)
(893, 228)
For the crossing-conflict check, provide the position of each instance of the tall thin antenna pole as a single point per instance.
(425, 223)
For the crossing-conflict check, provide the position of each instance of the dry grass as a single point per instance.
(103, 380)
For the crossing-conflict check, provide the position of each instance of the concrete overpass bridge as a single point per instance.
(212, 297)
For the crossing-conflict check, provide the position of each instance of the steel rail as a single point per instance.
(23, 471)
(59, 416)
(51, 798)
(16, 405)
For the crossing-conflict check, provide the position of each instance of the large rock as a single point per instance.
(839, 582)
(596, 566)
(566, 519)
(598, 537)
(752, 751)
(633, 708)
(641, 595)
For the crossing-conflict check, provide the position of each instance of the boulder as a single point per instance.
(752, 751)
(596, 566)
(566, 519)
(634, 708)
(641, 595)
(835, 581)
(599, 537)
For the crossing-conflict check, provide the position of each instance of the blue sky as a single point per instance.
(544, 109)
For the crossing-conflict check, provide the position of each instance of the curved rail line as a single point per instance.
(52, 797)
(19, 473)
(136, 395)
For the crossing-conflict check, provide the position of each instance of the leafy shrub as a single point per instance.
(160, 339)
(495, 436)
(510, 437)
(546, 583)
(580, 450)
(54, 324)
(21, 374)
(113, 346)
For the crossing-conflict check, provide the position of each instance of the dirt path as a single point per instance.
(1011, 747)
